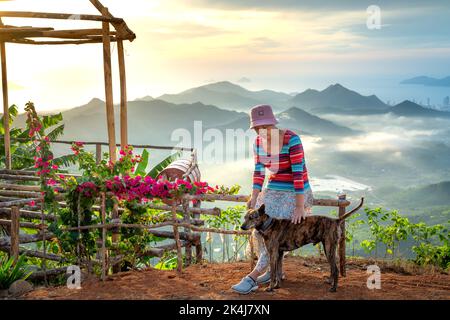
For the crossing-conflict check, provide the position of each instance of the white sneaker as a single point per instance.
(246, 286)
(265, 278)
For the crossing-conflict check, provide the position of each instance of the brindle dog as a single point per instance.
(282, 235)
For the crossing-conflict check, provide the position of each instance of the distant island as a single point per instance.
(428, 81)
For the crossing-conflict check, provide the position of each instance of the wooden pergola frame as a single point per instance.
(26, 35)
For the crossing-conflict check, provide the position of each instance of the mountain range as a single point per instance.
(335, 99)
(298, 120)
(436, 194)
(411, 109)
(227, 95)
(153, 120)
(428, 81)
(338, 99)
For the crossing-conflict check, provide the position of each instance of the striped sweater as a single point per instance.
(287, 170)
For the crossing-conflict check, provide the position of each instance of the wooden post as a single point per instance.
(342, 240)
(177, 238)
(198, 246)
(123, 96)
(109, 90)
(15, 231)
(103, 213)
(98, 153)
(187, 219)
(115, 234)
(7, 140)
(44, 245)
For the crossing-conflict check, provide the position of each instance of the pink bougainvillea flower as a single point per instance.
(32, 203)
(51, 182)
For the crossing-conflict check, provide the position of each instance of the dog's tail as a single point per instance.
(348, 214)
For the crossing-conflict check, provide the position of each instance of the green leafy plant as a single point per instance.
(11, 271)
(432, 245)
(156, 170)
(353, 224)
(230, 219)
(169, 261)
(391, 229)
(22, 148)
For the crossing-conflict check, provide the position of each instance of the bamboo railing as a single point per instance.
(15, 211)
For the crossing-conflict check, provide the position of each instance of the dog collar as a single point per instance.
(266, 224)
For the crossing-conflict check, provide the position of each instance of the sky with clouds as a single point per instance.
(284, 45)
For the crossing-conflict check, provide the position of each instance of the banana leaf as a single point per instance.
(163, 164)
(142, 166)
(51, 120)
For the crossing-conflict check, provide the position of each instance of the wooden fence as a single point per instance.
(18, 188)
(16, 213)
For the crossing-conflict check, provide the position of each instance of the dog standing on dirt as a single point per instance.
(282, 235)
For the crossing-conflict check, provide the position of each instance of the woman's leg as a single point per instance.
(263, 257)
(249, 283)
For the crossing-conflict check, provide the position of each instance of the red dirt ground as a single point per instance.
(305, 280)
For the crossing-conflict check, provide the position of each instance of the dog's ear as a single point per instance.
(262, 209)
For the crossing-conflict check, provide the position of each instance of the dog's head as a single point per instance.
(254, 218)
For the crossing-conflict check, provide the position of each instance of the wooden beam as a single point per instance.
(15, 231)
(17, 202)
(124, 31)
(103, 252)
(36, 254)
(123, 96)
(5, 106)
(37, 275)
(20, 194)
(21, 187)
(187, 220)
(341, 242)
(56, 42)
(29, 225)
(98, 153)
(177, 241)
(62, 16)
(115, 237)
(28, 214)
(75, 34)
(18, 172)
(109, 92)
(6, 33)
(137, 146)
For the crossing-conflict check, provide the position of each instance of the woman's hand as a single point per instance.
(252, 202)
(299, 215)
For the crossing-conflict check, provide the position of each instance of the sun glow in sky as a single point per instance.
(281, 45)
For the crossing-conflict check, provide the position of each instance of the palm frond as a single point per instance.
(156, 170)
(142, 166)
(56, 133)
(13, 111)
(51, 120)
(65, 161)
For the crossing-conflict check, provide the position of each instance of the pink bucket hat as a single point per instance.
(262, 115)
